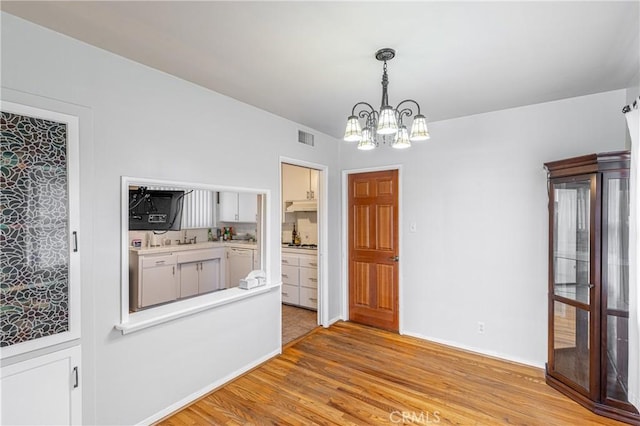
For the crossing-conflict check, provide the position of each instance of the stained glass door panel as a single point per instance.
(35, 256)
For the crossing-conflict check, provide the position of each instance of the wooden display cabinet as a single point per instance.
(589, 282)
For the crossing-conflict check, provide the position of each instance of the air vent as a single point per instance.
(305, 138)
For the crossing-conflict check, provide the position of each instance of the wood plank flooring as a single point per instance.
(350, 374)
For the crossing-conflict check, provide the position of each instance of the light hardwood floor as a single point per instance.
(355, 375)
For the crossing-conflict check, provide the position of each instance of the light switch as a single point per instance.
(413, 227)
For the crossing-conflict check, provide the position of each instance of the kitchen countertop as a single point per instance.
(300, 250)
(198, 246)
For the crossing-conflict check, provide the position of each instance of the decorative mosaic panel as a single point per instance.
(34, 250)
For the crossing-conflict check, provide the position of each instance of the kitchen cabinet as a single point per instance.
(43, 390)
(589, 282)
(201, 271)
(299, 183)
(153, 279)
(238, 207)
(300, 280)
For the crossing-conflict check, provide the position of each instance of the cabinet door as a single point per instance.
(615, 299)
(290, 294)
(290, 275)
(308, 277)
(295, 182)
(247, 207)
(210, 277)
(573, 283)
(228, 206)
(159, 285)
(309, 297)
(39, 254)
(313, 183)
(189, 279)
(45, 390)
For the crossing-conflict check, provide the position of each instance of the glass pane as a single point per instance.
(617, 281)
(617, 362)
(571, 269)
(34, 256)
(618, 244)
(571, 343)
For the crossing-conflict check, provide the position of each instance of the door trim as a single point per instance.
(344, 258)
(323, 233)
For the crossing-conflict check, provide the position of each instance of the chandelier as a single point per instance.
(388, 122)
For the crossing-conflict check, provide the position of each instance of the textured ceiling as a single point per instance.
(311, 61)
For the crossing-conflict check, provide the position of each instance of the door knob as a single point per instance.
(394, 258)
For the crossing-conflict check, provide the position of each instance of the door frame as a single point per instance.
(345, 238)
(323, 232)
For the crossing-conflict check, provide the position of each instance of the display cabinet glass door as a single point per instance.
(615, 313)
(572, 281)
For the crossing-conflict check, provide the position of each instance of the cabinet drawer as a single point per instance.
(309, 261)
(308, 277)
(199, 255)
(309, 297)
(290, 260)
(290, 294)
(153, 261)
(290, 275)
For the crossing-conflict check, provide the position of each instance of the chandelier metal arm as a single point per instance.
(408, 109)
(360, 114)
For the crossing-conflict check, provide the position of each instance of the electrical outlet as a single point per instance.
(480, 327)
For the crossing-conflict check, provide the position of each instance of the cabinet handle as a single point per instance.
(173, 268)
(285, 293)
(158, 262)
(285, 276)
(285, 261)
(75, 377)
(313, 264)
(313, 299)
(75, 241)
(313, 279)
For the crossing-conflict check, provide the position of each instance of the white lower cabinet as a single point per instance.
(300, 280)
(44, 390)
(201, 271)
(158, 280)
(161, 278)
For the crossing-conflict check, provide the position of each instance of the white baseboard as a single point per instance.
(194, 396)
(476, 350)
(334, 320)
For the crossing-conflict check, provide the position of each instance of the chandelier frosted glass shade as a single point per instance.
(419, 131)
(401, 140)
(385, 125)
(366, 143)
(353, 132)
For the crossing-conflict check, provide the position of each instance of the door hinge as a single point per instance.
(75, 241)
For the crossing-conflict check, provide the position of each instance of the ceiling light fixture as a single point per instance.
(388, 121)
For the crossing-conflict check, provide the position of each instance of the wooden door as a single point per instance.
(373, 249)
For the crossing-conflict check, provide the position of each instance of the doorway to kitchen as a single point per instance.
(303, 216)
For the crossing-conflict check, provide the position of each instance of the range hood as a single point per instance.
(301, 206)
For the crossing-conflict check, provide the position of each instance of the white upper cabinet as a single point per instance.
(238, 207)
(299, 183)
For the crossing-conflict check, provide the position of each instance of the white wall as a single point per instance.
(140, 122)
(477, 193)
